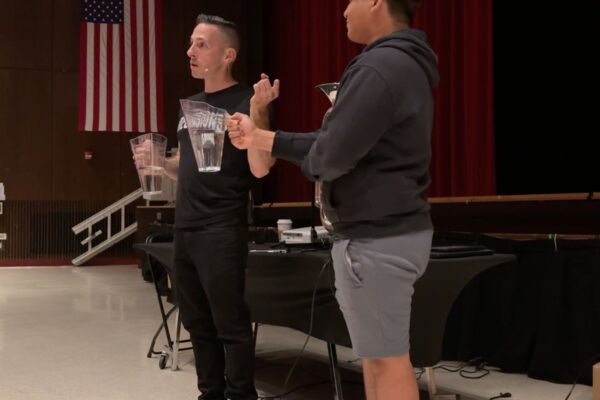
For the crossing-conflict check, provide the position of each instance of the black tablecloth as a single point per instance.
(539, 315)
(280, 288)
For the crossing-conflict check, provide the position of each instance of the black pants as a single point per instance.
(209, 276)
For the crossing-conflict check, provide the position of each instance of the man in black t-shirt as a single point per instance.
(211, 222)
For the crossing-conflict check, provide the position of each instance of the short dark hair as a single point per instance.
(228, 28)
(403, 9)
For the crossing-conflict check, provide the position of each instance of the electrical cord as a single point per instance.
(305, 370)
(480, 369)
(478, 364)
(448, 368)
(310, 327)
(282, 395)
(313, 374)
(312, 309)
(583, 367)
(501, 396)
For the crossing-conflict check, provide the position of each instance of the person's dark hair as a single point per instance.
(227, 27)
(403, 10)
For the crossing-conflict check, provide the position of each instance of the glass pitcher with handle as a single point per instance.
(330, 90)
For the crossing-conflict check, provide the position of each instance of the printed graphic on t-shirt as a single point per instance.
(182, 124)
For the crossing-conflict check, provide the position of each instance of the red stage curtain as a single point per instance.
(463, 142)
(306, 45)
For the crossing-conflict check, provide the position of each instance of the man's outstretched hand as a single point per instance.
(264, 91)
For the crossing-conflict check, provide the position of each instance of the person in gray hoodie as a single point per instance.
(372, 155)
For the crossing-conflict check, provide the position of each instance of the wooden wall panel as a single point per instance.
(175, 89)
(76, 178)
(5, 139)
(175, 38)
(65, 43)
(178, 83)
(26, 34)
(26, 125)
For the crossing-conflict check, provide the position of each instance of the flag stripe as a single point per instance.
(96, 75)
(109, 77)
(121, 66)
(158, 63)
(141, 56)
(102, 76)
(89, 86)
(128, 69)
(122, 80)
(141, 61)
(83, 74)
(152, 66)
(134, 67)
(146, 70)
(116, 77)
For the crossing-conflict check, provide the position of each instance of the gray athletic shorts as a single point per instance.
(374, 281)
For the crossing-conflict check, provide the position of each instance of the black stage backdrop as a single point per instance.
(546, 87)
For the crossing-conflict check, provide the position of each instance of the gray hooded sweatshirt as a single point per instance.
(374, 148)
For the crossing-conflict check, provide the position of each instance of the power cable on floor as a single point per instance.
(282, 395)
(481, 370)
(478, 364)
(450, 368)
(501, 396)
(583, 367)
(310, 328)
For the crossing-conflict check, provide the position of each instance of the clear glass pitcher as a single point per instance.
(149, 152)
(206, 126)
(330, 90)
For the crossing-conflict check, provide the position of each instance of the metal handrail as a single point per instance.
(111, 239)
(100, 215)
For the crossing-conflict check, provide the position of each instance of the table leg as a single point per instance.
(335, 372)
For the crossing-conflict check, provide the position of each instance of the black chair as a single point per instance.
(164, 234)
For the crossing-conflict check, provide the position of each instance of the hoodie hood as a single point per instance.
(414, 43)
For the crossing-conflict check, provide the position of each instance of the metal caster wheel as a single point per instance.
(162, 361)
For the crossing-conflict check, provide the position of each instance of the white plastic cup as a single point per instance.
(283, 225)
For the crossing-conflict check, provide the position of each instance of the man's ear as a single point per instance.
(230, 55)
(377, 4)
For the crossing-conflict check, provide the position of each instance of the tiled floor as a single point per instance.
(83, 334)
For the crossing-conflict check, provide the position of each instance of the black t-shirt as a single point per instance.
(214, 199)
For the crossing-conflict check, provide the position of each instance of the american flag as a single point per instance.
(120, 86)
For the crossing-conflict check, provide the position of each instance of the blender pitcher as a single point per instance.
(330, 90)
(206, 126)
